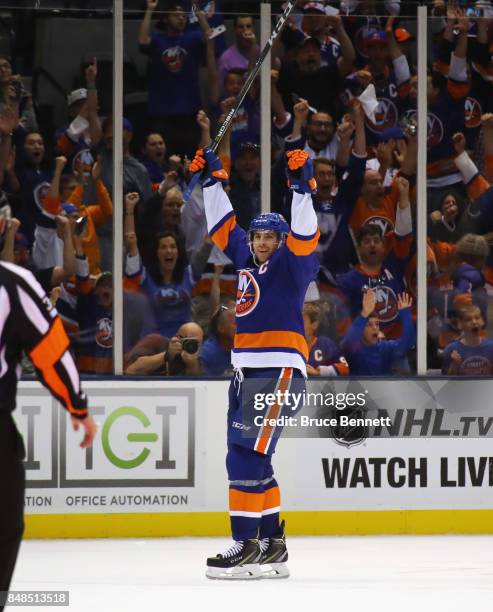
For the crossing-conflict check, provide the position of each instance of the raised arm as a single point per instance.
(408, 338)
(131, 201)
(95, 131)
(352, 341)
(226, 234)
(145, 26)
(61, 273)
(53, 192)
(304, 234)
(7, 252)
(300, 111)
(345, 63)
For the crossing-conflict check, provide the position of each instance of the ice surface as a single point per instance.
(337, 574)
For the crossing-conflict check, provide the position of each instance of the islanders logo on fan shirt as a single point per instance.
(40, 192)
(435, 126)
(247, 294)
(386, 304)
(104, 332)
(473, 113)
(384, 223)
(386, 116)
(174, 58)
(435, 130)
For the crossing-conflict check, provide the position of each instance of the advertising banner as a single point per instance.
(354, 446)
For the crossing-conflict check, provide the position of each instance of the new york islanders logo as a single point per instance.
(435, 130)
(386, 304)
(247, 295)
(40, 192)
(384, 223)
(473, 112)
(83, 161)
(435, 127)
(174, 59)
(386, 116)
(104, 333)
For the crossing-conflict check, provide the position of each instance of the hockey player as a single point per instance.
(275, 264)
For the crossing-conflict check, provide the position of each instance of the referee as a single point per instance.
(30, 324)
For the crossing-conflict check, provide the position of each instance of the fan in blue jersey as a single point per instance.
(472, 355)
(367, 353)
(275, 264)
(381, 271)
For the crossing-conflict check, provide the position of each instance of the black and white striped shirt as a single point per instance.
(29, 323)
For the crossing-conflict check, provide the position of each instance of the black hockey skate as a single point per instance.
(240, 562)
(274, 555)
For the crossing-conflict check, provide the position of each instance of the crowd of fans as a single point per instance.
(179, 290)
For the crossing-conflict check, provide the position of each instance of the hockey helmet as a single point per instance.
(273, 222)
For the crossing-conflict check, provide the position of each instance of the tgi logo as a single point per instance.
(145, 438)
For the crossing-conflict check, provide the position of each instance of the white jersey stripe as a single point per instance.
(3, 363)
(69, 365)
(271, 510)
(217, 204)
(32, 311)
(244, 513)
(4, 308)
(4, 313)
(303, 218)
(268, 359)
(27, 276)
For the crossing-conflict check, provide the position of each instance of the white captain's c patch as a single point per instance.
(247, 294)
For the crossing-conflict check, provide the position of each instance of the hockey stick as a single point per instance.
(244, 90)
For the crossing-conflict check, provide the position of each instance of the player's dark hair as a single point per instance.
(373, 315)
(181, 260)
(370, 229)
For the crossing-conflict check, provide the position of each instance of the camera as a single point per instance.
(190, 345)
(409, 126)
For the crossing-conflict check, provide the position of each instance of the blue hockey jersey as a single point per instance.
(377, 359)
(388, 283)
(269, 303)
